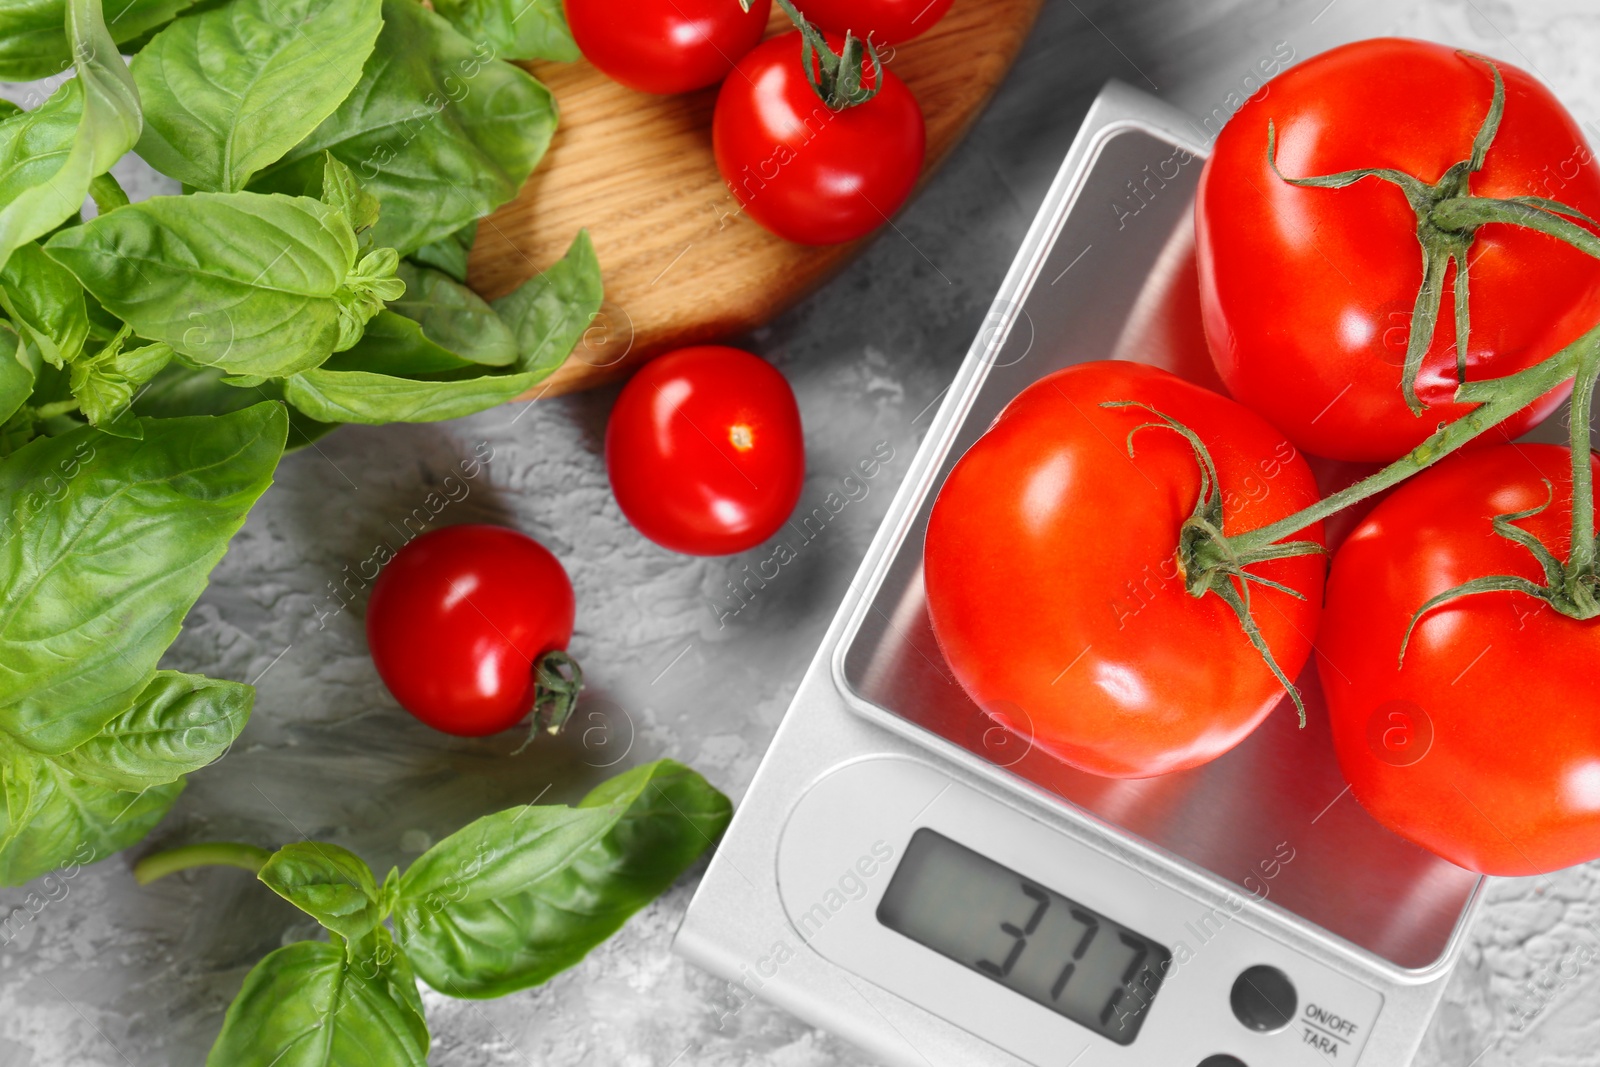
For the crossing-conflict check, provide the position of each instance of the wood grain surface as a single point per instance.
(682, 264)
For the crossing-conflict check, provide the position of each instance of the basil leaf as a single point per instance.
(105, 383)
(449, 254)
(33, 42)
(454, 317)
(549, 312)
(394, 344)
(396, 374)
(33, 144)
(331, 884)
(518, 29)
(46, 304)
(106, 544)
(179, 390)
(438, 130)
(109, 792)
(341, 190)
(230, 90)
(520, 895)
(180, 723)
(249, 283)
(376, 399)
(44, 181)
(306, 1005)
(50, 817)
(16, 373)
(498, 856)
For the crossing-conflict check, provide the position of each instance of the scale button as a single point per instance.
(1263, 999)
(1222, 1059)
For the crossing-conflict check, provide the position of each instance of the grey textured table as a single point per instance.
(117, 975)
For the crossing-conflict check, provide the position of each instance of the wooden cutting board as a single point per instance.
(681, 265)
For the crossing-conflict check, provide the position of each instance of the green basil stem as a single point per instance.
(1498, 399)
(207, 854)
(60, 407)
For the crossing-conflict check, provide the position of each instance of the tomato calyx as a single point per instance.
(1575, 595)
(559, 681)
(1448, 218)
(837, 77)
(1209, 561)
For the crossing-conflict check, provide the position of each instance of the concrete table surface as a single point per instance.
(112, 975)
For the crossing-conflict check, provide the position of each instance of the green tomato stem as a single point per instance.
(1498, 400)
(207, 854)
(60, 407)
(1465, 214)
(1582, 559)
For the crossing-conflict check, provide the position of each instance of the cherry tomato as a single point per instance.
(807, 173)
(1483, 745)
(459, 621)
(886, 21)
(1307, 293)
(705, 451)
(1053, 582)
(666, 46)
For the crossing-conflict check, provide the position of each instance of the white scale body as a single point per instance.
(1259, 862)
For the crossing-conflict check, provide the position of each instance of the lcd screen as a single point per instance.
(1025, 936)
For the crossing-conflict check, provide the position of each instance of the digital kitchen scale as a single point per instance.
(908, 874)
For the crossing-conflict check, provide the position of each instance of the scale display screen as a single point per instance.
(1030, 939)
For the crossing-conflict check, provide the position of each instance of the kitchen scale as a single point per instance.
(910, 875)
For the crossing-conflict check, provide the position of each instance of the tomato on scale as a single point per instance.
(816, 139)
(1465, 716)
(666, 46)
(1308, 220)
(705, 451)
(1072, 582)
(468, 627)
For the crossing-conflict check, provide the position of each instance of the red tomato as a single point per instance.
(886, 21)
(1484, 745)
(807, 173)
(666, 46)
(459, 620)
(1307, 293)
(705, 451)
(1053, 582)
